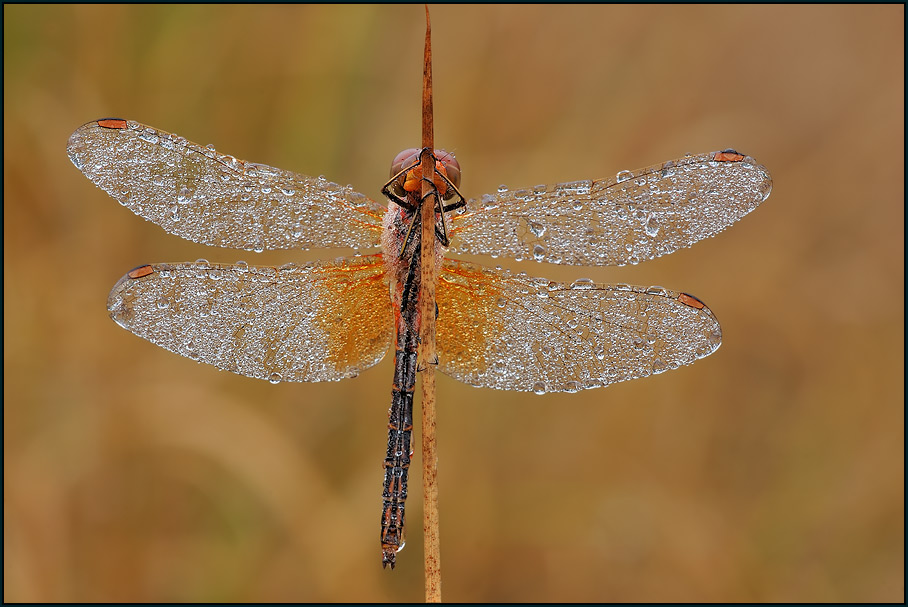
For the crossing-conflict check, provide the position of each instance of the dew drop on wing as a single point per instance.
(652, 226)
(539, 388)
(714, 337)
(537, 228)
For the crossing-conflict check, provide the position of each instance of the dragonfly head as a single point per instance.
(407, 163)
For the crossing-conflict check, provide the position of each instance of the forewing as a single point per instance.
(621, 220)
(318, 322)
(513, 332)
(212, 198)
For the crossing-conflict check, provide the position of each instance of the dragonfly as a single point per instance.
(331, 320)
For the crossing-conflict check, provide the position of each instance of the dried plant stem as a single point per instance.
(427, 338)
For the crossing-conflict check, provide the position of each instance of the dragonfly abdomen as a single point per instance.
(405, 291)
(397, 460)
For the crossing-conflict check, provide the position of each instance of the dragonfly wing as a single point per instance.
(513, 332)
(323, 321)
(212, 198)
(625, 219)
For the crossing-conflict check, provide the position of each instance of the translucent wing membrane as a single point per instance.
(323, 321)
(211, 198)
(513, 332)
(621, 220)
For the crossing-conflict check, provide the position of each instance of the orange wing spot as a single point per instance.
(728, 156)
(690, 300)
(469, 315)
(352, 308)
(140, 272)
(112, 123)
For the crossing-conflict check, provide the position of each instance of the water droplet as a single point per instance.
(275, 378)
(571, 387)
(157, 180)
(149, 135)
(580, 188)
(539, 388)
(242, 266)
(668, 169)
(659, 366)
(287, 191)
(163, 303)
(623, 176)
(201, 261)
(502, 302)
(638, 342)
(657, 290)
(210, 146)
(537, 228)
(599, 352)
(489, 201)
(582, 284)
(652, 226)
(184, 195)
(502, 189)
(714, 338)
(538, 252)
(258, 247)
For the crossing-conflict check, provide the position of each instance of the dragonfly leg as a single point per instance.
(460, 202)
(387, 188)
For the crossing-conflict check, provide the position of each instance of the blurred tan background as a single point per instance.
(771, 471)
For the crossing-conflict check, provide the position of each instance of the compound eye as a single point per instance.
(403, 160)
(451, 170)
